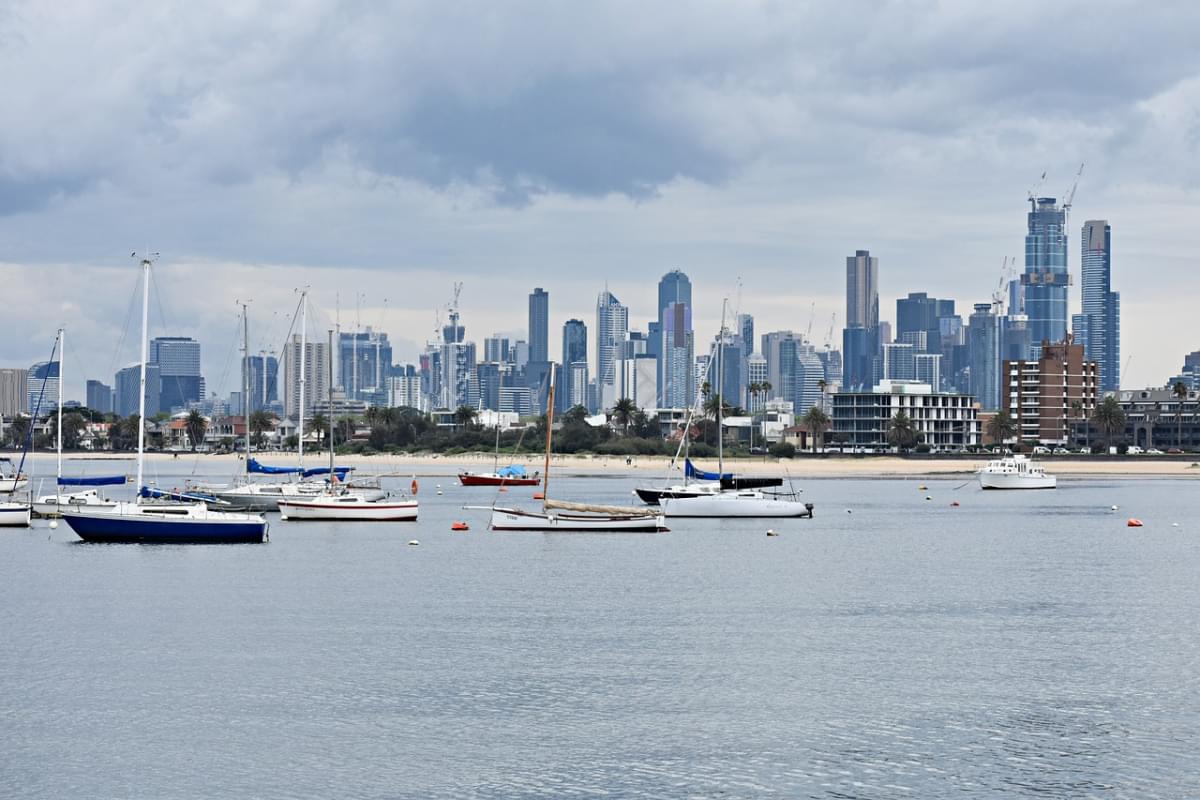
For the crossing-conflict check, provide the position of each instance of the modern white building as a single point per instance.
(945, 421)
(316, 375)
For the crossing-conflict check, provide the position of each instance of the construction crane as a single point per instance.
(812, 314)
(1066, 206)
(829, 336)
(998, 295)
(1036, 189)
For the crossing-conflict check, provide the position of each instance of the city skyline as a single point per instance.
(745, 141)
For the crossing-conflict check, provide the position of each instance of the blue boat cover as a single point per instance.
(341, 472)
(263, 469)
(107, 480)
(511, 471)
(689, 469)
(178, 496)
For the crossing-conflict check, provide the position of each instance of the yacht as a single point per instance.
(14, 515)
(1015, 472)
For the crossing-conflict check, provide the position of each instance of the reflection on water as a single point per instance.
(1014, 645)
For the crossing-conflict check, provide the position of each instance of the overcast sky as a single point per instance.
(360, 148)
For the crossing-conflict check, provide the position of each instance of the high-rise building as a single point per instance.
(745, 331)
(316, 376)
(918, 321)
(794, 369)
(496, 349)
(125, 390)
(14, 392)
(862, 290)
(678, 385)
(639, 380)
(574, 341)
(1044, 396)
(99, 397)
(859, 346)
(365, 359)
(612, 329)
(983, 339)
(178, 360)
(404, 388)
(756, 376)
(262, 380)
(1046, 278)
(899, 363)
(927, 367)
(1101, 305)
(539, 325)
(42, 387)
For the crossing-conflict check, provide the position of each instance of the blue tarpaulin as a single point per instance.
(511, 471)
(341, 472)
(110, 480)
(263, 469)
(689, 469)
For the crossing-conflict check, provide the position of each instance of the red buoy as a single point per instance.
(459, 526)
(1133, 523)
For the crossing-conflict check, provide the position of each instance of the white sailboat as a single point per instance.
(51, 505)
(14, 515)
(737, 502)
(159, 523)
(10, 479)
(558, 515)
(341, 505)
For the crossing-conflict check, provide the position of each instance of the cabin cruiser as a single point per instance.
(1015, 472)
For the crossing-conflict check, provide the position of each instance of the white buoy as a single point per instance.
(1174, 524)
(927, 497)
(1113, 508)
(53, 524)
(771, 532)
(413, 541)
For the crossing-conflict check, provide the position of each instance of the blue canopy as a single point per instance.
(254, 466)
(341, 472)
(689, 469)
(511, 471)
(104, 480)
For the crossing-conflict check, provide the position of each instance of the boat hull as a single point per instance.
(14, 515)
(335, 512)
(117, 528)
(655, 496)
(53, 505)
(512, 519)
(1010, 481)
(731, 505)
(469, 479)
(10, 485)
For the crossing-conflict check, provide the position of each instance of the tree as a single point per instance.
(1001, 427)
(319, 425)
(197, 427)
(1180, 390)
(1109, 419)
(17, 432)
(575, 415)
(465, 416)
(901, 432)
(72, 425)
(817, 422)
(623, 412)
(260, 422)
(1077, 414)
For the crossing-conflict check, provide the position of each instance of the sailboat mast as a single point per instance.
(330, 411)
(720, 400)
(549, 433)
(246, 382)
(303, 358)
(62, 343)
(142, 380)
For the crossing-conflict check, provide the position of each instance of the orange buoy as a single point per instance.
(414, 484)
(539, 496)
(459, 526)
(504, 488)
(1133, 523)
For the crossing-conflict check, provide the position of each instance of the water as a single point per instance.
(1022, 644)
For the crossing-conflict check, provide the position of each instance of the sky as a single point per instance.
(378, 153)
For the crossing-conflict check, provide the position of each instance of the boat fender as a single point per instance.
(1133, 523)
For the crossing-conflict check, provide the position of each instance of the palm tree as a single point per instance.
(817, 422)
(72, 425)
(1077, 412)
(623, 412)
(1001, 427)
(197, 427)
(465, 416)
(901, 432)
(318, 425)
(1180, 390)
(260, 422)
(1109, 418)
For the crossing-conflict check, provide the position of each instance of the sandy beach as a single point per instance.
(825, 466)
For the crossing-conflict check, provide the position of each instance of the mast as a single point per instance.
(549, 433)
(303, 358)
(246, 382)
(354, 349)
(142, 380)
(496, 455)
(720, 400)
(330, 409)
(62, 343)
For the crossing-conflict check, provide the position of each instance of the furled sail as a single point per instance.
(263, 469)
(103, 480)
(689, 469)
(616, 511)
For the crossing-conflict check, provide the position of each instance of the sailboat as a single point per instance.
(14, 515)
(159, 523)
(11, 480)
(49, 505)
(737, 497)
(342, 505)
(558, 515)
(512, 475)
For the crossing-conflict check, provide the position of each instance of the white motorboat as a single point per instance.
(741, 503)
(52, 505)
(14, 515)
(10, 479)
(1015, 472)
(348, 508)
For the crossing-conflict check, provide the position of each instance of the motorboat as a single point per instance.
(737, 503)
(348, 508)
(1015, 472)
(14, 515)
(11, 480)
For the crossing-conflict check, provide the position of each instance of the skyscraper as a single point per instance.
(14, 392)
(125, 390)
(42, 387)
(574, 342)
(99, 397)
(1101, 305)
(677, 387)
(262, 378)
(539, 325)
(316, 376)
(612, 328)
(1046, 278)
(983, 338)
(860, 337)
(178, 360)
(920, 313)
(365, 359)
(496, 349)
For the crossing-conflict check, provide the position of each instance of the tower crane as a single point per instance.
(829, 335)
(1066, 206)
(812, 313)
(1036, 189)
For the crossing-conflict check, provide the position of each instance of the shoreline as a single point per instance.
(824, 466)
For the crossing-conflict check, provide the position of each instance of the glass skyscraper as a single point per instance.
(178, 361)
(1101, 334)
(539, 325)
(676, 386)
(860, 337)
(612, 329)
(1046, 278)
